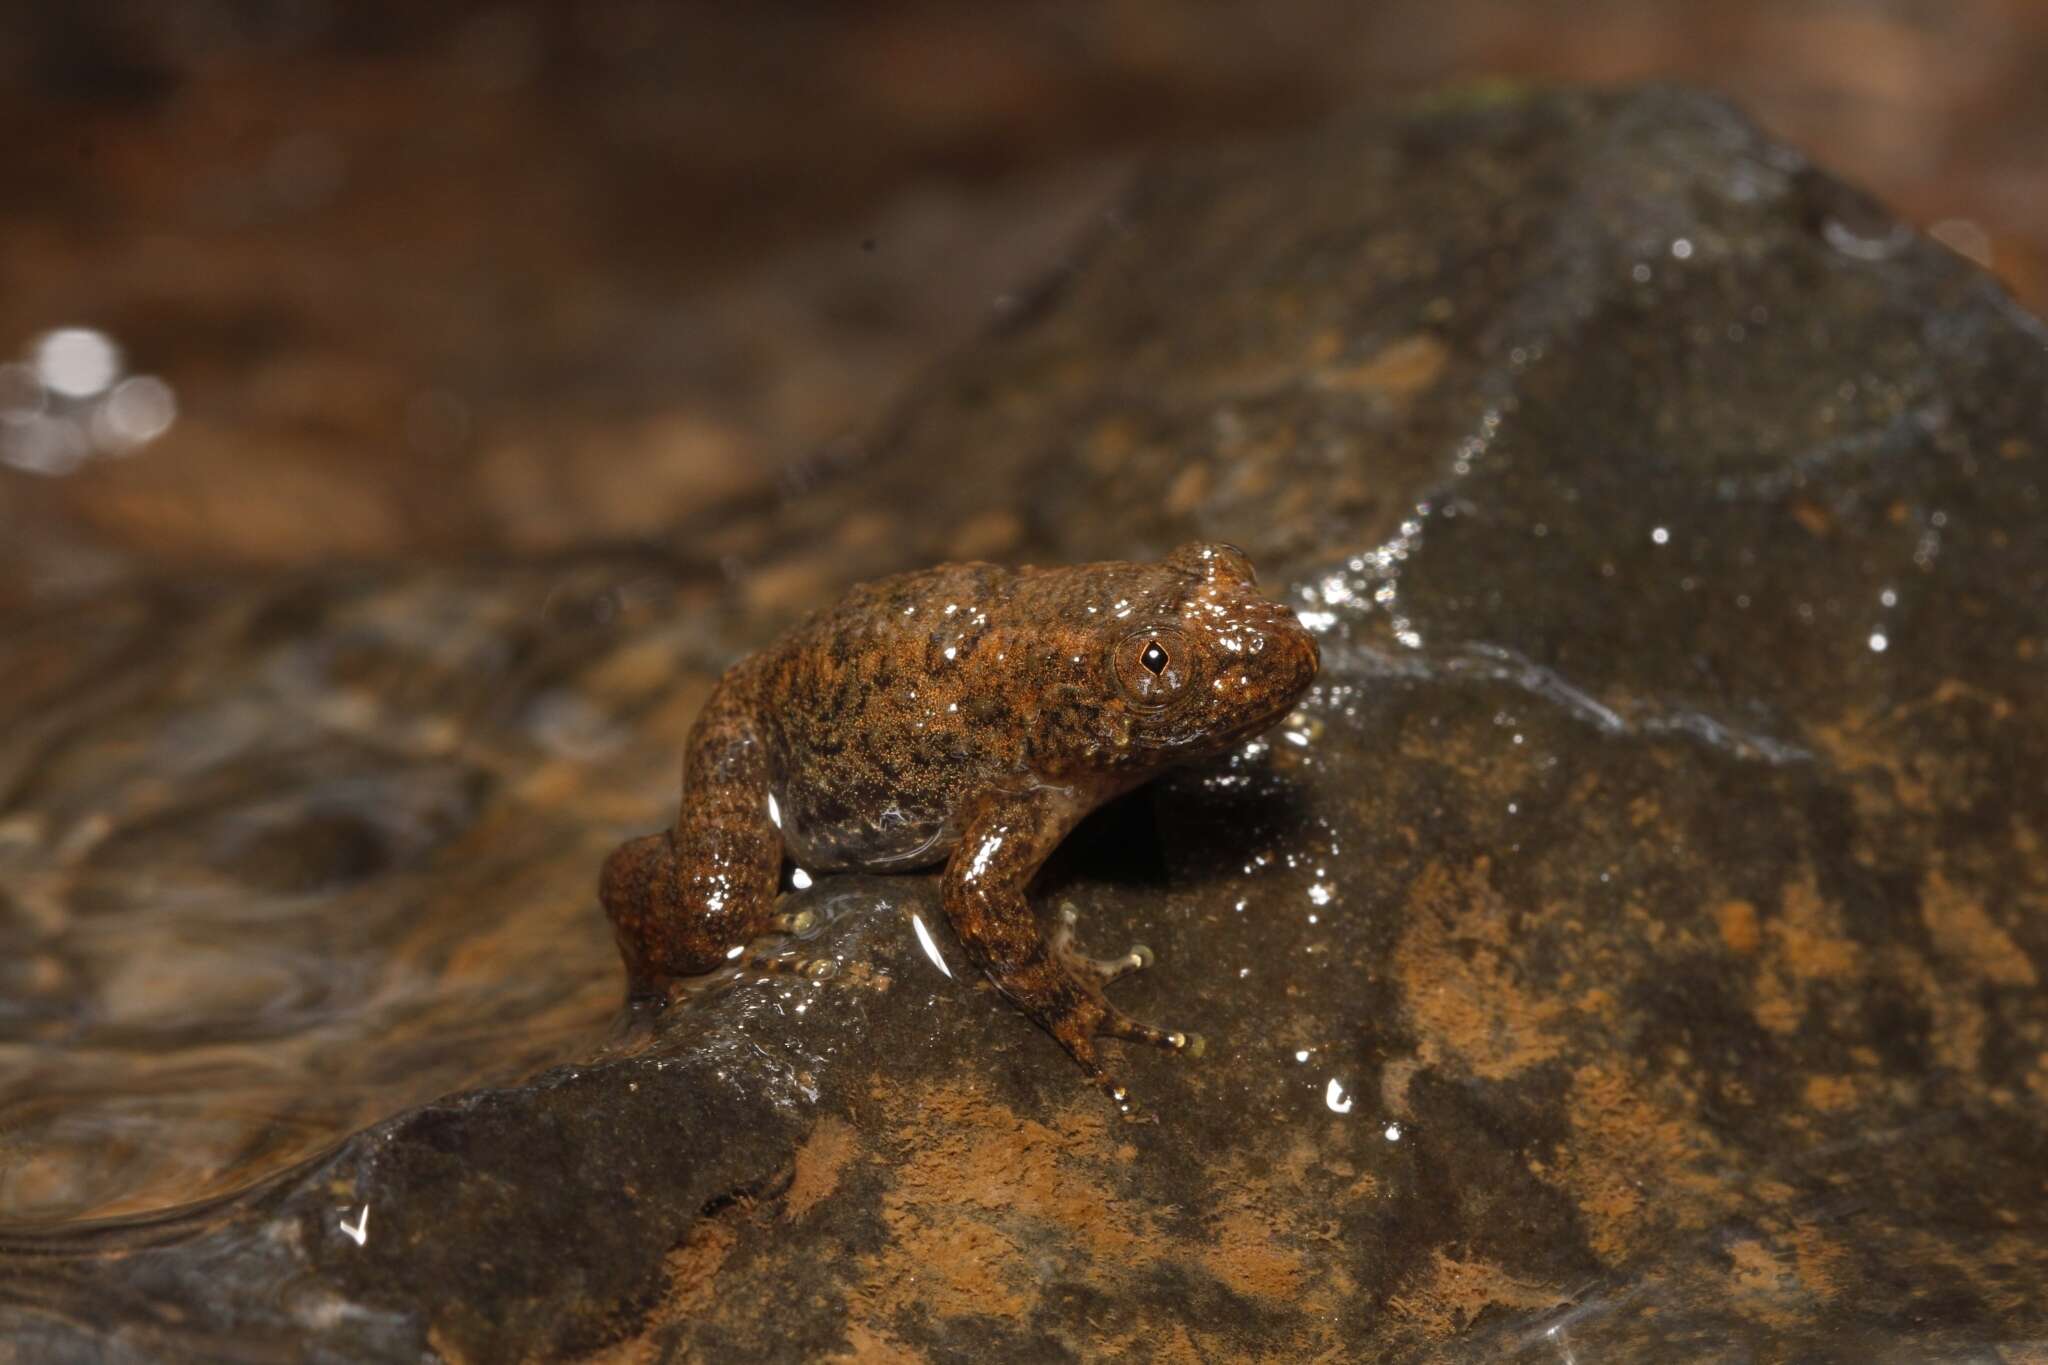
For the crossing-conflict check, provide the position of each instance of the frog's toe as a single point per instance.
(802, 922)
(1117, 1024)
(1108, 969)
(1130, 1111)
(768, 964)
(1062, 938)
(1127, 1108)
(1102, 970)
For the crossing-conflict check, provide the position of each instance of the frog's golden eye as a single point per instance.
(1151, 666)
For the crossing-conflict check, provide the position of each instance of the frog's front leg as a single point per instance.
(682, 901)
(1005, 843)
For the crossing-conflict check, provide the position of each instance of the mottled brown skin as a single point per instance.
(970, 715)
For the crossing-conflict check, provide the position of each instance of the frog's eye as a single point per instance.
(1152, 666)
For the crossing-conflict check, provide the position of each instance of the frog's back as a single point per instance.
(870, 722)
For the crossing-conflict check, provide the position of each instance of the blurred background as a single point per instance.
(302, 280)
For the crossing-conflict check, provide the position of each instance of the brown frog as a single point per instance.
(971, 715)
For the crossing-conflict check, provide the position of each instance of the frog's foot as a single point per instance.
(1102, 969)
(747, 959)
(1073, 1035)
(768, 964)
(1084, 1017)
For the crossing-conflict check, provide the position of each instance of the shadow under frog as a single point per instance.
(970, 715)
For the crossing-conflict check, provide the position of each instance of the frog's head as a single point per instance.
(1212, 661)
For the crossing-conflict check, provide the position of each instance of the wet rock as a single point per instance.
(1632, 950)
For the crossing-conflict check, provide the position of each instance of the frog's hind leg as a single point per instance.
(681, 901)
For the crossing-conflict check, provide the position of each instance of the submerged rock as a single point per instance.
(1631, 950)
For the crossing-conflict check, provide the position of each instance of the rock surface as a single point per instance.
(1631, 951)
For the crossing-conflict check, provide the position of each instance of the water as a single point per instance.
(351, 873)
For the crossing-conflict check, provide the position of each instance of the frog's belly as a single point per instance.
(888, 836)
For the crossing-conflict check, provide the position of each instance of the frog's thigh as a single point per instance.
(680, 901)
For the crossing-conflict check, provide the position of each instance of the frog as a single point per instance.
(968, 717)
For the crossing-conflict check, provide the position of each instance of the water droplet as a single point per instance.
(22, 397)
(140, 409)
(1870, 240)
(358, 1231)
(53, 446)
(76, 362)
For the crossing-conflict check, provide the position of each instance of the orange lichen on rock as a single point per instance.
(694, 1266)
(977, 1188)
(1737, 922)
(1464, 992)
(1829, 1094)
(1960, 1026)
(984, 1200)
(1395, 373)
(1803, 943)
(1638, 1163)
(1757, 1268)
(1964, 932)
(1451, 1293)
(1764, 1283)
(819, 1162)
(1821, 1261)
(691, 1274)
(1246, 1256)
(1808, 933)
(1882, 782)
